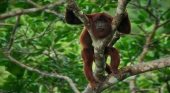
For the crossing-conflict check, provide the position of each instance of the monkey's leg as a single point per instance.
(115, 60)
(87, 55)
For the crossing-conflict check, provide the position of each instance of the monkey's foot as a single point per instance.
(92, 83)
(117, 72)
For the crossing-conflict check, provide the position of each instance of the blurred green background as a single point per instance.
(44, 41)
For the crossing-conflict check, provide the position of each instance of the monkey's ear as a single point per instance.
(125, 26)
(71, 18)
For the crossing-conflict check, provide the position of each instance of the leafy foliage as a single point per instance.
(44, 41)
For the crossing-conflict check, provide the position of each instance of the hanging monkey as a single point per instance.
(100, 28)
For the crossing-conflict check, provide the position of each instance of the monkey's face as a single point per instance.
(101, 25)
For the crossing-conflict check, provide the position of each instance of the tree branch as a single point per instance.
(148, 41)
(78, 12)
(130, 71)
(53, 75)
(114, 39)
(26, 11)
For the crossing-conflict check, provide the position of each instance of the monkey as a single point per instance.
(100, 27)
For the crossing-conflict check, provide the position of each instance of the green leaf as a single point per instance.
(59, 37)
(106, 8)
(167, 15)
(167, 26)
(143, 2)
(3, 73)
(143, 13)
(141, 17)
(148, 24)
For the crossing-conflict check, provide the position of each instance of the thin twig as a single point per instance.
(146, 9)
(167, 35)
(6, 24)
(148, 41)
(165, 12)
(12, 35)
(40, 35)
(164, 23)
(46, 10)
(141, 28)
(149, 3)
(133, 34)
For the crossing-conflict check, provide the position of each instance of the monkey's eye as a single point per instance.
(100, 22)
(103, 21)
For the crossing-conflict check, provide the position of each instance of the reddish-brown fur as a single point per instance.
(86, 42)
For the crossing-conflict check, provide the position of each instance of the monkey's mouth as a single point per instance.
(100, 29)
